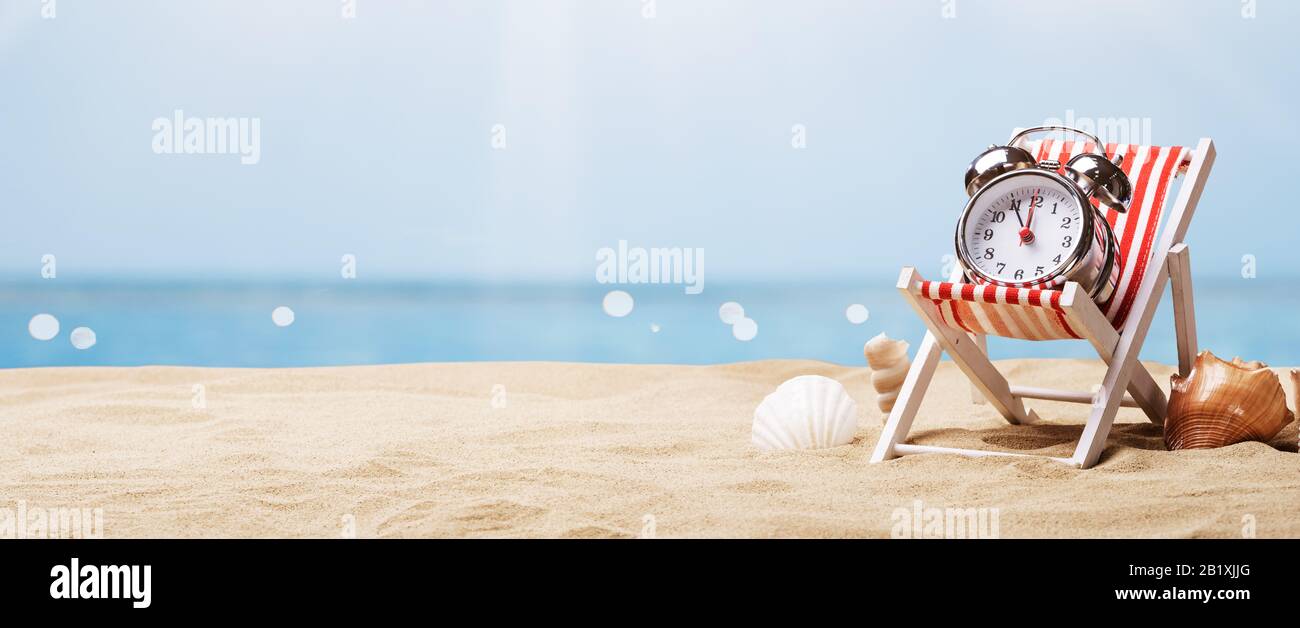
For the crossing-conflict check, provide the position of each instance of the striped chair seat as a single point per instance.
(1036, 314)
(999, 311)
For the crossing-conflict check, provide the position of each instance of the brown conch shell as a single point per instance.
(889, 364)
(1221, 403)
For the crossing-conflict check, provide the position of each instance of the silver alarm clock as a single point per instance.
(1032, 224)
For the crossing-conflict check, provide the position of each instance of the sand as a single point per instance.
(587, 450)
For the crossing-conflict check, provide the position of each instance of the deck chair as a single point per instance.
(959, 315)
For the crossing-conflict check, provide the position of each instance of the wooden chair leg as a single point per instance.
(910, 395)
(1180, 276)
(899, 423)
(982, 342)
(1148, 394)
(1104, 408)
(1123, 359)
(1104, 339)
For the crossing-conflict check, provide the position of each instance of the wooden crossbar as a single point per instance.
(1070, 396)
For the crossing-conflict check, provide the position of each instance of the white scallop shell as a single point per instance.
(807, 412)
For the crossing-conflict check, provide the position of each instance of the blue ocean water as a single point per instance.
(368, 322)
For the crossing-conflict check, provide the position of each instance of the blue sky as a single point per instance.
(376, 132)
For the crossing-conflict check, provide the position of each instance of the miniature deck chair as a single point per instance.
(959, 315)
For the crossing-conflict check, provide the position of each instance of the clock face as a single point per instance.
(1022, 229)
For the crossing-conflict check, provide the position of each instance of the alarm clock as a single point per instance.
(1032, 224)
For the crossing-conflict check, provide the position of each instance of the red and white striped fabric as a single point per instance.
(1033, 314)
(998, 310)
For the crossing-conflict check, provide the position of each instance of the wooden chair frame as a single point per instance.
(1119, 349)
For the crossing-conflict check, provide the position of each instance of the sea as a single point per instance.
(229, 323)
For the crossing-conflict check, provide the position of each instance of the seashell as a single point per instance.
(807, 412)
(1221, 403)
(889, 364)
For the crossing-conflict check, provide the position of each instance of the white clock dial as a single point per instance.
(1021, 229)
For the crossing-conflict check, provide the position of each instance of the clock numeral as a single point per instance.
(999, 216)
(1056, 260)
(1054, 208)
(1035, 201)
(1020, 273)
(988, 235)
(1065, 222)
(988, 253)
(1066, 243)
(1001, 267)
(1015, 205)
(1038, 270)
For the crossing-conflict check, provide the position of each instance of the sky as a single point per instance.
(510, 141)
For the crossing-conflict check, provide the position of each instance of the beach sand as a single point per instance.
(588, 450)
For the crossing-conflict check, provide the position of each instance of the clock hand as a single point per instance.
(1029, 224)
(1026, 235)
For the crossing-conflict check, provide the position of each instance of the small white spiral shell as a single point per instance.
(889, 364)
